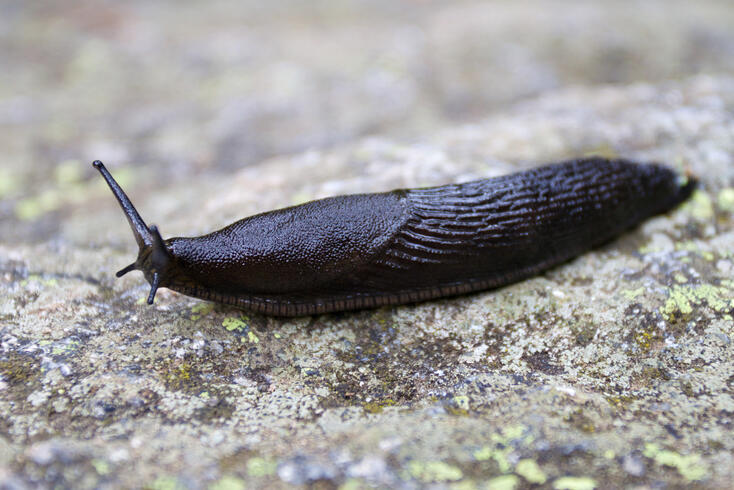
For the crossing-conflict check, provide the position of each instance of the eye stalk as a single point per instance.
(154, 258)
(138, 226)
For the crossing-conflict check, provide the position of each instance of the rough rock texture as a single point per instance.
(616, 369)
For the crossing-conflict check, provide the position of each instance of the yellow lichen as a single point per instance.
(66, 348)
(462, 401)
(234, 324)
(458, 405)
(228, 483)
(434, 471)
(101, 466)
(529, 469)
(483, 453)
(725, 200)
(681, 300)
(165, 483)
(689, 466)
(498, 455)
(36, 279)
(179, 376)
(574, 483)
(504, 482)
(631, 294)
(258, 467)
(701, 206)
(200, 310)
(644, 340)
(503, 446)
(464, 485)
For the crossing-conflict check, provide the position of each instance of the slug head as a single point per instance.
(154, 257)
(155, 261)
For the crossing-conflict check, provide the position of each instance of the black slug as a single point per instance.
(368, 250)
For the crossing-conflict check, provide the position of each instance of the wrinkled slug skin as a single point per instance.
(368, 250)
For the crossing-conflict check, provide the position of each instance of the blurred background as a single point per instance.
(175, 91)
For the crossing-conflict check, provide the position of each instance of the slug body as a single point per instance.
(368, 250)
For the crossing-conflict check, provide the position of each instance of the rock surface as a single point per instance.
(616, 369)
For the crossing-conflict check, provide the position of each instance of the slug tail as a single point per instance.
(138, 226)
(687, 184)
(668, 187)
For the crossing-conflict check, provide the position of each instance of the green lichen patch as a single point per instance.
(503, 482)
(574, 483)
(236, 324)
(631, 294)
(165, 482)
(39, 280)
(700, 206)
(65, 347)
(504, 442)
(434, 471)
(725, 200)
(530, 471)
(249, 466)
(101, 466)
(689, 466)
(228, 482)
(201, 310)
(458, 405)
(259, 467)
(682, 300)
(245, 328)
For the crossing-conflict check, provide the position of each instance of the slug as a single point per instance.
(408, 245)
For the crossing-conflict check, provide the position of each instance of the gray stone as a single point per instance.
(301, 470)
(633, 464)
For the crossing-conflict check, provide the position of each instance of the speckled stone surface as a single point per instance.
(614, 370)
